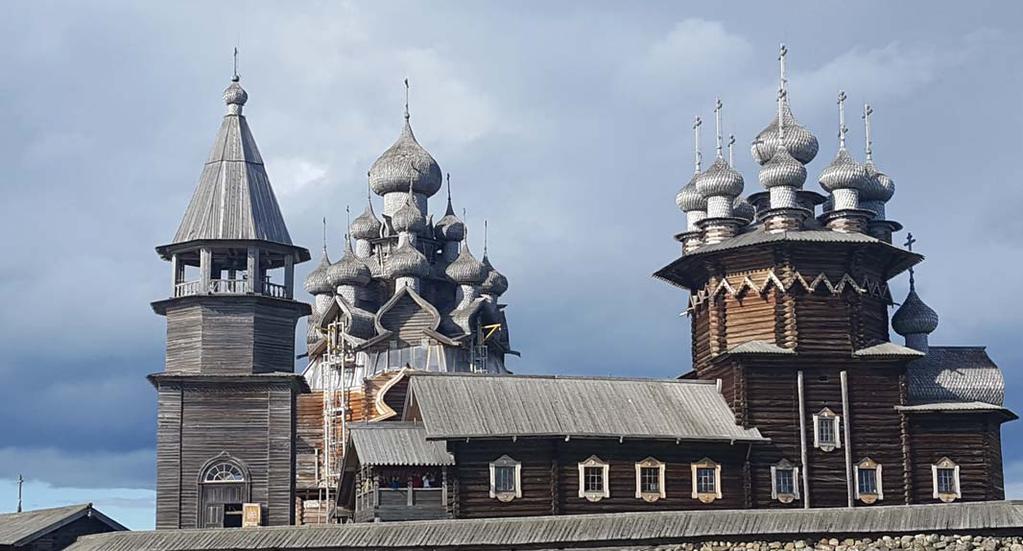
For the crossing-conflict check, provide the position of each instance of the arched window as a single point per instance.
(223, 472)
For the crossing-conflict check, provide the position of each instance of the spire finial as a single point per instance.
(324, 235)
(731, 150)
(697, 123)
(485, 237)
(841, 119)
(449, 188)
(21, 482)
(406, 99)
(909, 245)
(234, 75)
(348, 215)
(717, 125)
(782, 94)
(782, 52)
(867, 112)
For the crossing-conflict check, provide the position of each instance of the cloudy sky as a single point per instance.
(565, 125)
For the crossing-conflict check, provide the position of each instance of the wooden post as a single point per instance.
(802, 440)
(174, 275)
(444, 490)
(255, 283)
(289, 276)
(205, 269)
(847, 435)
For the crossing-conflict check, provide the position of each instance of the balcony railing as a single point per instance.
(229, 287)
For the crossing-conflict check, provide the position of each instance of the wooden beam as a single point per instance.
(847, 436)
(802, 440)
(205, 269)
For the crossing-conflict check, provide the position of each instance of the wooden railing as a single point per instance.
(229, 287)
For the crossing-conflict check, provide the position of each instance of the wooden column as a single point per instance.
(289, 276)
(255, 285)
(802, 440)
(175, 275)
(205, 269)
(444, 490)
(847, 436)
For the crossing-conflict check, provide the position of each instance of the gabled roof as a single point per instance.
(955, 374)
(888, 350)
(395, 444)
(22, 528)
(462, 405)
(760, 347)
(233, 199)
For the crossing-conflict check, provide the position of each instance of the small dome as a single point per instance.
(366, 226)
(720, 180)
(406, 261)
(449, 227)
(349, 270)
(316, 282)
(235, 94)
(782, 170)
(799, 142)
(689, 198)
(466, 270)
(495, 284)
(843, 173)
(879, 186)
(914, 317)
(741, 208)
(403, 162)
(408, 217)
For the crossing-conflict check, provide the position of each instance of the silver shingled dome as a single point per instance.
(689, 198)
(914, 317)
(235, 94)
(799, 141)
(408, 217)
(316, 282)
(449, 227)
(367, 225)
(466, 270)
(406, 261)
(782, 170)
(843, 173)
(349, 270)
(741, 208)
(404, 161)
(495, 284)
(720, 180)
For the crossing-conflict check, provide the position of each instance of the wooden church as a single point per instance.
(797, 398)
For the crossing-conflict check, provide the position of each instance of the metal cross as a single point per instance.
(867, 112)
(21, 482)
(841, 118)
(731, 147)
(782, 52)
(697, 123)
(406, 98)
(909, 241)
(717, 124)
(235, 76)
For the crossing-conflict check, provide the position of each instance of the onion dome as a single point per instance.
(720, 180)
(449, 227)
(408, 217)
(495, 284)
(914, 317)
(879, 188)
(406, 261)
(403, 162)
(235, 94)
(741, 208)
(843, 173)
(799, 142)
(316, 282)
(466, 270)
(367, 225)
(689, 198)
(782, 170)
(349, 270)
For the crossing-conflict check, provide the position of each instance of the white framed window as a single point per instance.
(869, 487)
(945, 480)
(650, 479)
(827, 434)
(706, 476)
(593, 483)
(505, 478)
(784, 481)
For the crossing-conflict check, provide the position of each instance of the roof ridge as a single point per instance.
(511, 376)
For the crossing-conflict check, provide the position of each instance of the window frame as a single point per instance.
(594, 462)
(946, 464)
(505, 462)
(835, 420)
(866, 464)
(784, 465)
(706, 463)
(650, 463)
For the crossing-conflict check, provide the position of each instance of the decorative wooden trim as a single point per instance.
(721, 286)
(946, 463)
(869, 464)
(594, 461)
(383, 410)
(826, 415)
(706, 463)
(650, 463)
(505, 496)
(785, 465)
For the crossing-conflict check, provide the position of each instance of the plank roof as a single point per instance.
(463, 405)
(575, 531)
(21, 528)
(233, 199)
(396, 444)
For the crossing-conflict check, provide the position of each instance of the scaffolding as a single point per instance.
(337, 368)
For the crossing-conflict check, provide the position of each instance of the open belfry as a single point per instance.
(797, 397)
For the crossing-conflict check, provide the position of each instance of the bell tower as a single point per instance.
(227, 392)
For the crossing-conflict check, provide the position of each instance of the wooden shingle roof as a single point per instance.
(18, 529)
